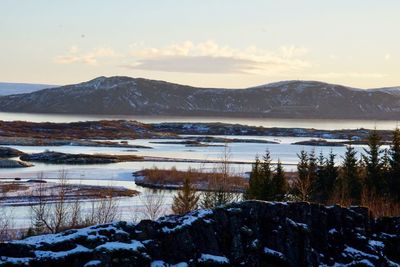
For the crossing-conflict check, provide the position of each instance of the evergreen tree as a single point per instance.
(302, 184)
(253, 191)
(266, 190)
(394, 162)
(386, 172)
(331, 174)
(350, 179)
(186, 200)
(302, 165)
(374, 179)
(319, 181)
(312, 166)
(279, 183)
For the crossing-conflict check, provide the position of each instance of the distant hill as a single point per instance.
(136, 96)
(21, 88)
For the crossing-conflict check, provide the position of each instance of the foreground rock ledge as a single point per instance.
(251, 233)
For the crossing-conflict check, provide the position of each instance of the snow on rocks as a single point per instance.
(208, 258)
(113, 246)
(272, 252)
(184, 221)
(251, 233)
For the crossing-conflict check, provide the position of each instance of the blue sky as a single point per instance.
(216, 43)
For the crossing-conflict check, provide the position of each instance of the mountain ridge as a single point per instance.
(122, 95)
(8, 88)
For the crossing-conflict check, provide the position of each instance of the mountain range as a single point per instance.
(137, 96)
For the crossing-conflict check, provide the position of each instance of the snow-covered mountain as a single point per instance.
(21, 88)
(287, 99)
(391, 90)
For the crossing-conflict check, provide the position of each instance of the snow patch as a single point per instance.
(185, 220)
(214, 259)
(92, 263)
(274, 253)
(61, 254)
(113, 246)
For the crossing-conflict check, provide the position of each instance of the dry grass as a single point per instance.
(380, 206)
(8, 187)
(105, 192)
(157, 177)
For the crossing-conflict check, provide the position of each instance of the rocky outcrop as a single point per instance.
(8, 152)
(64, 158)
(250, 233)
(319, 142)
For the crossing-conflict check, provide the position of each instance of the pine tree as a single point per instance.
(266, 190)
(302, 184)
(330, 177)
(302, 165)
(186, 200)
(386, 172)
(350, 179)
(279, 183)
(253, 191)
(374, 180)
(318, 191)
(394, 162)
(312, 165)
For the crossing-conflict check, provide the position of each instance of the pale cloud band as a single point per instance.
(90, 58)
(204, 57)
(209, 57)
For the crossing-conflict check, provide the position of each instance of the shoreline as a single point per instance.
(126, 129)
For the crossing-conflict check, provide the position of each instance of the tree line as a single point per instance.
(373, 174)
(370, 179)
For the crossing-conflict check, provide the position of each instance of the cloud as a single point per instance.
(90, 58)
(195, 64)
(210, 57)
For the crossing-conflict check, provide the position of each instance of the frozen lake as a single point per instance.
(120, 174)
(239, 152)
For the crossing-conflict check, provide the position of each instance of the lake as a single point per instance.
(120, 174)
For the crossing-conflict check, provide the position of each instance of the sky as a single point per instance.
(207, 43)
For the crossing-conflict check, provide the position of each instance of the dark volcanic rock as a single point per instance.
(250, 233)
(63, 158)
(318, 142)
(58, 157)
(8, 152)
